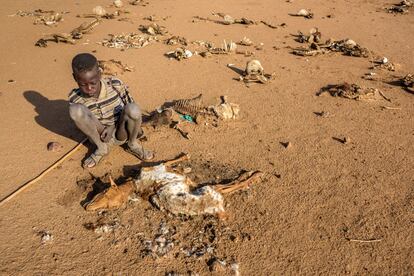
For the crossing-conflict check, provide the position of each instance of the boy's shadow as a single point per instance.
(53, 115)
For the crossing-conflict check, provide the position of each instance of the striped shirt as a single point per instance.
(108, 106)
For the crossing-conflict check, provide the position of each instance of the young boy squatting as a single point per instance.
(103, 110)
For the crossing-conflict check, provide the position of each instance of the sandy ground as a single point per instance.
(325, 208)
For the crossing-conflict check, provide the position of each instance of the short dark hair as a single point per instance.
(84, 62)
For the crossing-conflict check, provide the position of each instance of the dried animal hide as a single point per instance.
(112, 198)
(174, 193)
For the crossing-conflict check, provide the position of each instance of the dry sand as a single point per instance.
(326, 208)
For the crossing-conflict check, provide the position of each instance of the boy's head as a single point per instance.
(87, 74)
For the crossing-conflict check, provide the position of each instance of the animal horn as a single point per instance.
(112, 181)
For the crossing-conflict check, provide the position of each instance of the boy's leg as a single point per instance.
(129, 127)
(91, 127)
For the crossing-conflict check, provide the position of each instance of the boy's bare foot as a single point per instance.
(139, 151)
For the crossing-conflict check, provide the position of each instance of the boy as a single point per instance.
(103, 109)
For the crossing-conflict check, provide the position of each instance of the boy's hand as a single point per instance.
(107, 134)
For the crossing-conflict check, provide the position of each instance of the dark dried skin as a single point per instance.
(408, 82)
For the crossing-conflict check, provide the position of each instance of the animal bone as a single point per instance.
(179, 53)
(304, 13)
(254, 67)
(245, 42)
(174, 40)
(352, 91)
(99, 11)
(401, 7)
(154, 29)
(408, 82)
(118, 3)
(127, 41)
(191, 107)
(112, 198)
(226, 110)
(114, 67)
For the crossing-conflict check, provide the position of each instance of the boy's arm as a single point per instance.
(122, 90)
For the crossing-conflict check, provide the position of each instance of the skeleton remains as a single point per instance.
(408, 82)
(172, 191)
(70, 38)
(48, 18)
(254, 73)
(347, 47)
(128, 41)
(401, 7)
(353, 91)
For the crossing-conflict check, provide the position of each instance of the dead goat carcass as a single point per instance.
(172, 191)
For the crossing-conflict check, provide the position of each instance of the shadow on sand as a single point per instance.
(53, 115)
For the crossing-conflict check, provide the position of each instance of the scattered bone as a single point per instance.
(408, 82)
(45, 236)
(184, 133)
(228, 20)
(353, 91)
(54, 146)
(118, 3)
(99, 11)
(226, 48)
(112, 198)
(179, 53)
(226, 110)
(254, 73)
(304, 13)
(76, 33)
(246, 53)
(48, 18)
(401, 7)
(314, 36)
(153, 29)
(346, 46)
(246, 42)
(154, 18)
(383, 63)
(174, 40)
(114, 67)
(128, 41)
